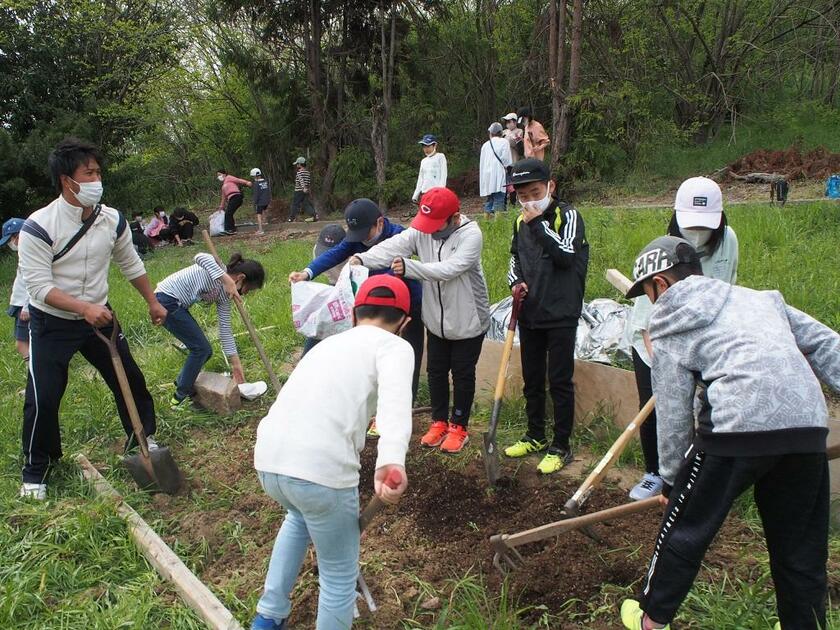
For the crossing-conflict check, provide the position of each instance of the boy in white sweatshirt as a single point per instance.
(317, 479)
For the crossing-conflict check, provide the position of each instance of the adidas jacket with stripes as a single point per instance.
(551, 255)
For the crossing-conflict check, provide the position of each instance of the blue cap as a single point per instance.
(427, 140)
(10, 228)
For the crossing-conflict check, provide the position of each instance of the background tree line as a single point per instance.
(175, 90)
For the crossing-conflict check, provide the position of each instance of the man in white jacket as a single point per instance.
(432, 168)
(493, 166)
(455, 305)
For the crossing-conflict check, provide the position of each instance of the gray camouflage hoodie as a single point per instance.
(759, 360)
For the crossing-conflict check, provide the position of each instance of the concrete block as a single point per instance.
(217, 393)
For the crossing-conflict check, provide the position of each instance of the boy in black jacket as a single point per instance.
(549, 258)
(262, 197)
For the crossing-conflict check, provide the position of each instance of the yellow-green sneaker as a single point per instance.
(778, 626)
(554, 460)
(525, 446)
(632, 616)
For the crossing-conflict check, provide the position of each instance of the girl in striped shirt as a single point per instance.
(205, 281)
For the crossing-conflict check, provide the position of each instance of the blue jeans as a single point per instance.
(495, 201)
(181, 324)
(330, 519)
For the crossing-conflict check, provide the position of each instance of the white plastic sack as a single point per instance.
(217, 223)
(252, 391)
(319, 310)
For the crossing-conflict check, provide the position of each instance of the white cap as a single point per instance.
(511, 116)
(699, 203)
(255, 172)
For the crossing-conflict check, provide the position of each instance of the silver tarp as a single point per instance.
(600, 333)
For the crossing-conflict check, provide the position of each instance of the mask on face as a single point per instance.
(445, 232)
(540, 205)
(13, 246)
(372, 241)
(698, 237)
(89, 193)
(221, 178)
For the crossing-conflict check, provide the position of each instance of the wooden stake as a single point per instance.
(192, 590)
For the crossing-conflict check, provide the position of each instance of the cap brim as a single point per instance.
(687, 219)
(527, 180)
(636, 289)
(6, 238)
(357, 235)
(320, 248)
(427, 144)
(426, 224)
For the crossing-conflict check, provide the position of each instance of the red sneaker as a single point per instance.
(435, 435)
(456, 439)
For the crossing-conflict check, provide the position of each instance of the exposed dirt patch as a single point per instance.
(792, 162)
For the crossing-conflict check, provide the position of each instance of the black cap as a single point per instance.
(360, 215)
(659, 255)
(524, 112)
(529, 170)
(330, 236)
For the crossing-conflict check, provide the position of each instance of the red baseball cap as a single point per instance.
(400, 297)
(436, 206)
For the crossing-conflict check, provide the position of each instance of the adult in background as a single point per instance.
(65, 252)
(231, 198)
(182, 224)
(262, 197)
(301, 196)
(366, 228)
(535, 138)
(549, 259)
(493, 171)
(456, 309)
(514, 135)
(698, 218)
(19, 298)
(432, 167)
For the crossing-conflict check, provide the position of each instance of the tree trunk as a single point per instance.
(566, 113)
(381, 110)
(556, 72)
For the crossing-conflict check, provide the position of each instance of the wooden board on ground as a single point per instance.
(217, 393)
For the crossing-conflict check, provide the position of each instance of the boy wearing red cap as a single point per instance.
(455, 305)
(317, 481)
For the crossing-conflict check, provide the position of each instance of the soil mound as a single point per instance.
(792, 162)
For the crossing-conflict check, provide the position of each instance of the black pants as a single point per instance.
(647, 432)
(231, 206)
(558, 344)
(792, 496)
(415, 334)
(298, 199)
(186, 230)
(458, 357)
(54, 341)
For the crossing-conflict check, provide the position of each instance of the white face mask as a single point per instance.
(89, 193)
(13, 246)
(540, 205)
(221, 178)
(697, 236)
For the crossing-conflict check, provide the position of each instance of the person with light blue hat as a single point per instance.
(19, 299)
(432, 168)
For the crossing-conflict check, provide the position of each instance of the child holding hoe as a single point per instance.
(317, 480)
(762, 426)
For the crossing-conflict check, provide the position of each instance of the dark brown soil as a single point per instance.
(792, 162)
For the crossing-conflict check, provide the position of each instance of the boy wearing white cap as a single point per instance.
(698, 218)
(262, 197)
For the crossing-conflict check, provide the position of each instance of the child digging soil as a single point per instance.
(317, 480)
(762, 425)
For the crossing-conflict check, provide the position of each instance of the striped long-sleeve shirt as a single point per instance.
(302, 180)
(202, 282)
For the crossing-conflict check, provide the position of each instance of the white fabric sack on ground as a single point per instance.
(319, 310)
(252, 391)
(217, 223)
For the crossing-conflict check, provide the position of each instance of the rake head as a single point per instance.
(505, 558)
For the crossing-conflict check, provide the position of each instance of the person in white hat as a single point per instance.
(262, 197)
(513, 134)
(698, 218)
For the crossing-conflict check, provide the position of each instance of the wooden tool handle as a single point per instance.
(499, 394)
(619, 280)
(376, 504)
(237, 299)
(559, 527)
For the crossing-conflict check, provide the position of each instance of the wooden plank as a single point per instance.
(618, 280)
(192, 590)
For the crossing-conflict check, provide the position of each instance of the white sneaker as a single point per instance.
(649, 486)
(37, 491)
(152, 443)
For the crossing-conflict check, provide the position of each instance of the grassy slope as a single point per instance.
(68, 564)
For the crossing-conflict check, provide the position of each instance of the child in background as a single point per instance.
(303, 182)
(231, 198)
(141, 242)
(205, 281)
(158, 230)
(699, 218)
(366, 370)
(19, 299)
(262, 197)
(432, 168)
(183, 224)
(763, 427)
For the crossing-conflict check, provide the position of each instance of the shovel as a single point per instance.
(490, 453)
(152, 470)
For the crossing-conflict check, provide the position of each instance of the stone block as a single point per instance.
(217, 393)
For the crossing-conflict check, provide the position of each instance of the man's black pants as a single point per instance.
(558, 345)
(792, 496)
(231, 206)
(300, 198)
(647, 432)
(53, 342)
(458, 357)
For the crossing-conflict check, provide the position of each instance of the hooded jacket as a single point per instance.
(455, 299)
(551, 256)
(759, 359)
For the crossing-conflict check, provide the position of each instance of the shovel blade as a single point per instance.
(490, 455)
(167, 476)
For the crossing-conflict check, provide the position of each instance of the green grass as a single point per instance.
(68, 563)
